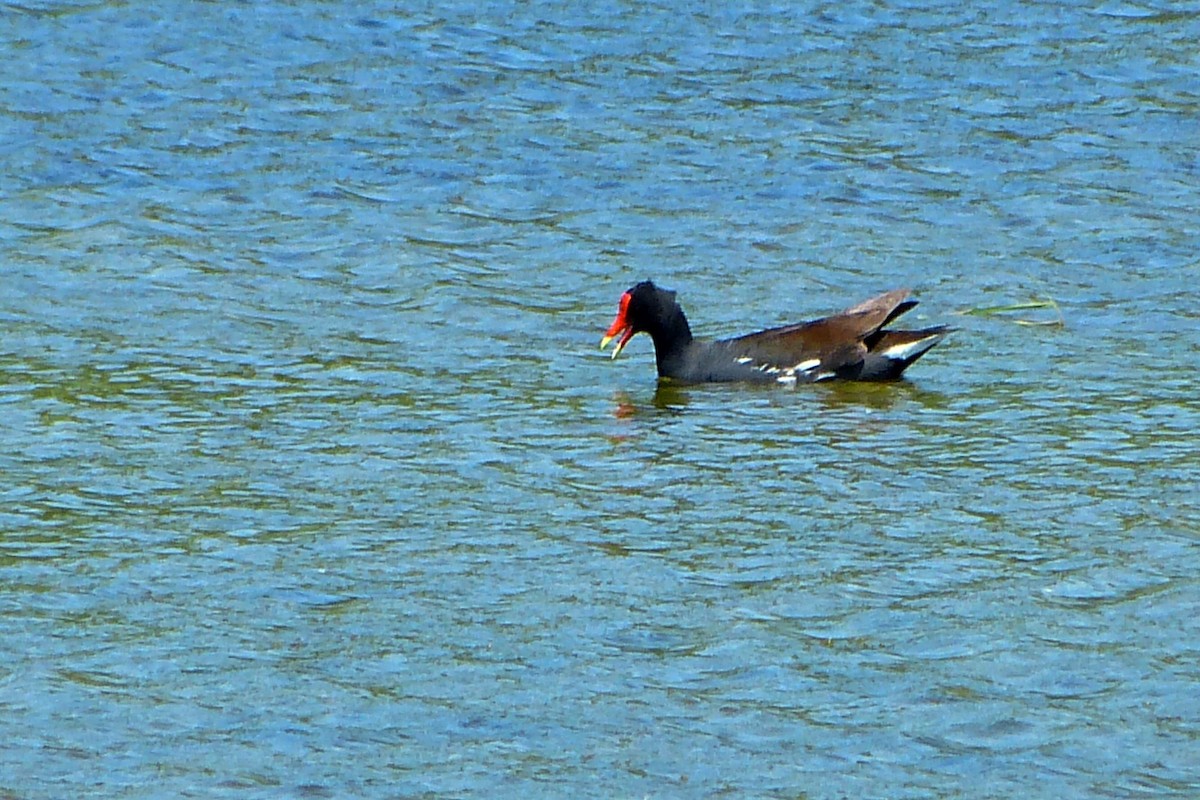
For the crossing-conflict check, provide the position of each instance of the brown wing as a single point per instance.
(891, 304)
(836, 342)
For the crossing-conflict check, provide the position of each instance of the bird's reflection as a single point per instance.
(675, 398)
(672, 398)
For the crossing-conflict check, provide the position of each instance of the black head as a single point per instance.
(646, 308)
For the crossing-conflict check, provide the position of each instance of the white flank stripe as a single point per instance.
(744, 360)
(805, 366)
(786, 378)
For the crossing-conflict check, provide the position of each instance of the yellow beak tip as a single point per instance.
(620, 344)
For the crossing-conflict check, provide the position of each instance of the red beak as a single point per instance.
(619, 326)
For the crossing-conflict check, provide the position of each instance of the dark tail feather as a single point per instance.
(889, 353)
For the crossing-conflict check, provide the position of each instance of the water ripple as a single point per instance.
(316, 482)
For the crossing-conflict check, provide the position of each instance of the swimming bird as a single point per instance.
(851, 345)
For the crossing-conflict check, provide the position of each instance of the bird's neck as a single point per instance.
(671, 339)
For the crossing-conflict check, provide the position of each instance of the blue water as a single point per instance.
(316, 485)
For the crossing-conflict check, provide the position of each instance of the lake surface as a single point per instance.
(315, 483)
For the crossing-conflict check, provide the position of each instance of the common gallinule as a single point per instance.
(851, 345)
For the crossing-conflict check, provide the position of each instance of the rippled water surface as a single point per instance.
(315, 484)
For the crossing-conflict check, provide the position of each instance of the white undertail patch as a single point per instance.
(902, 352)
